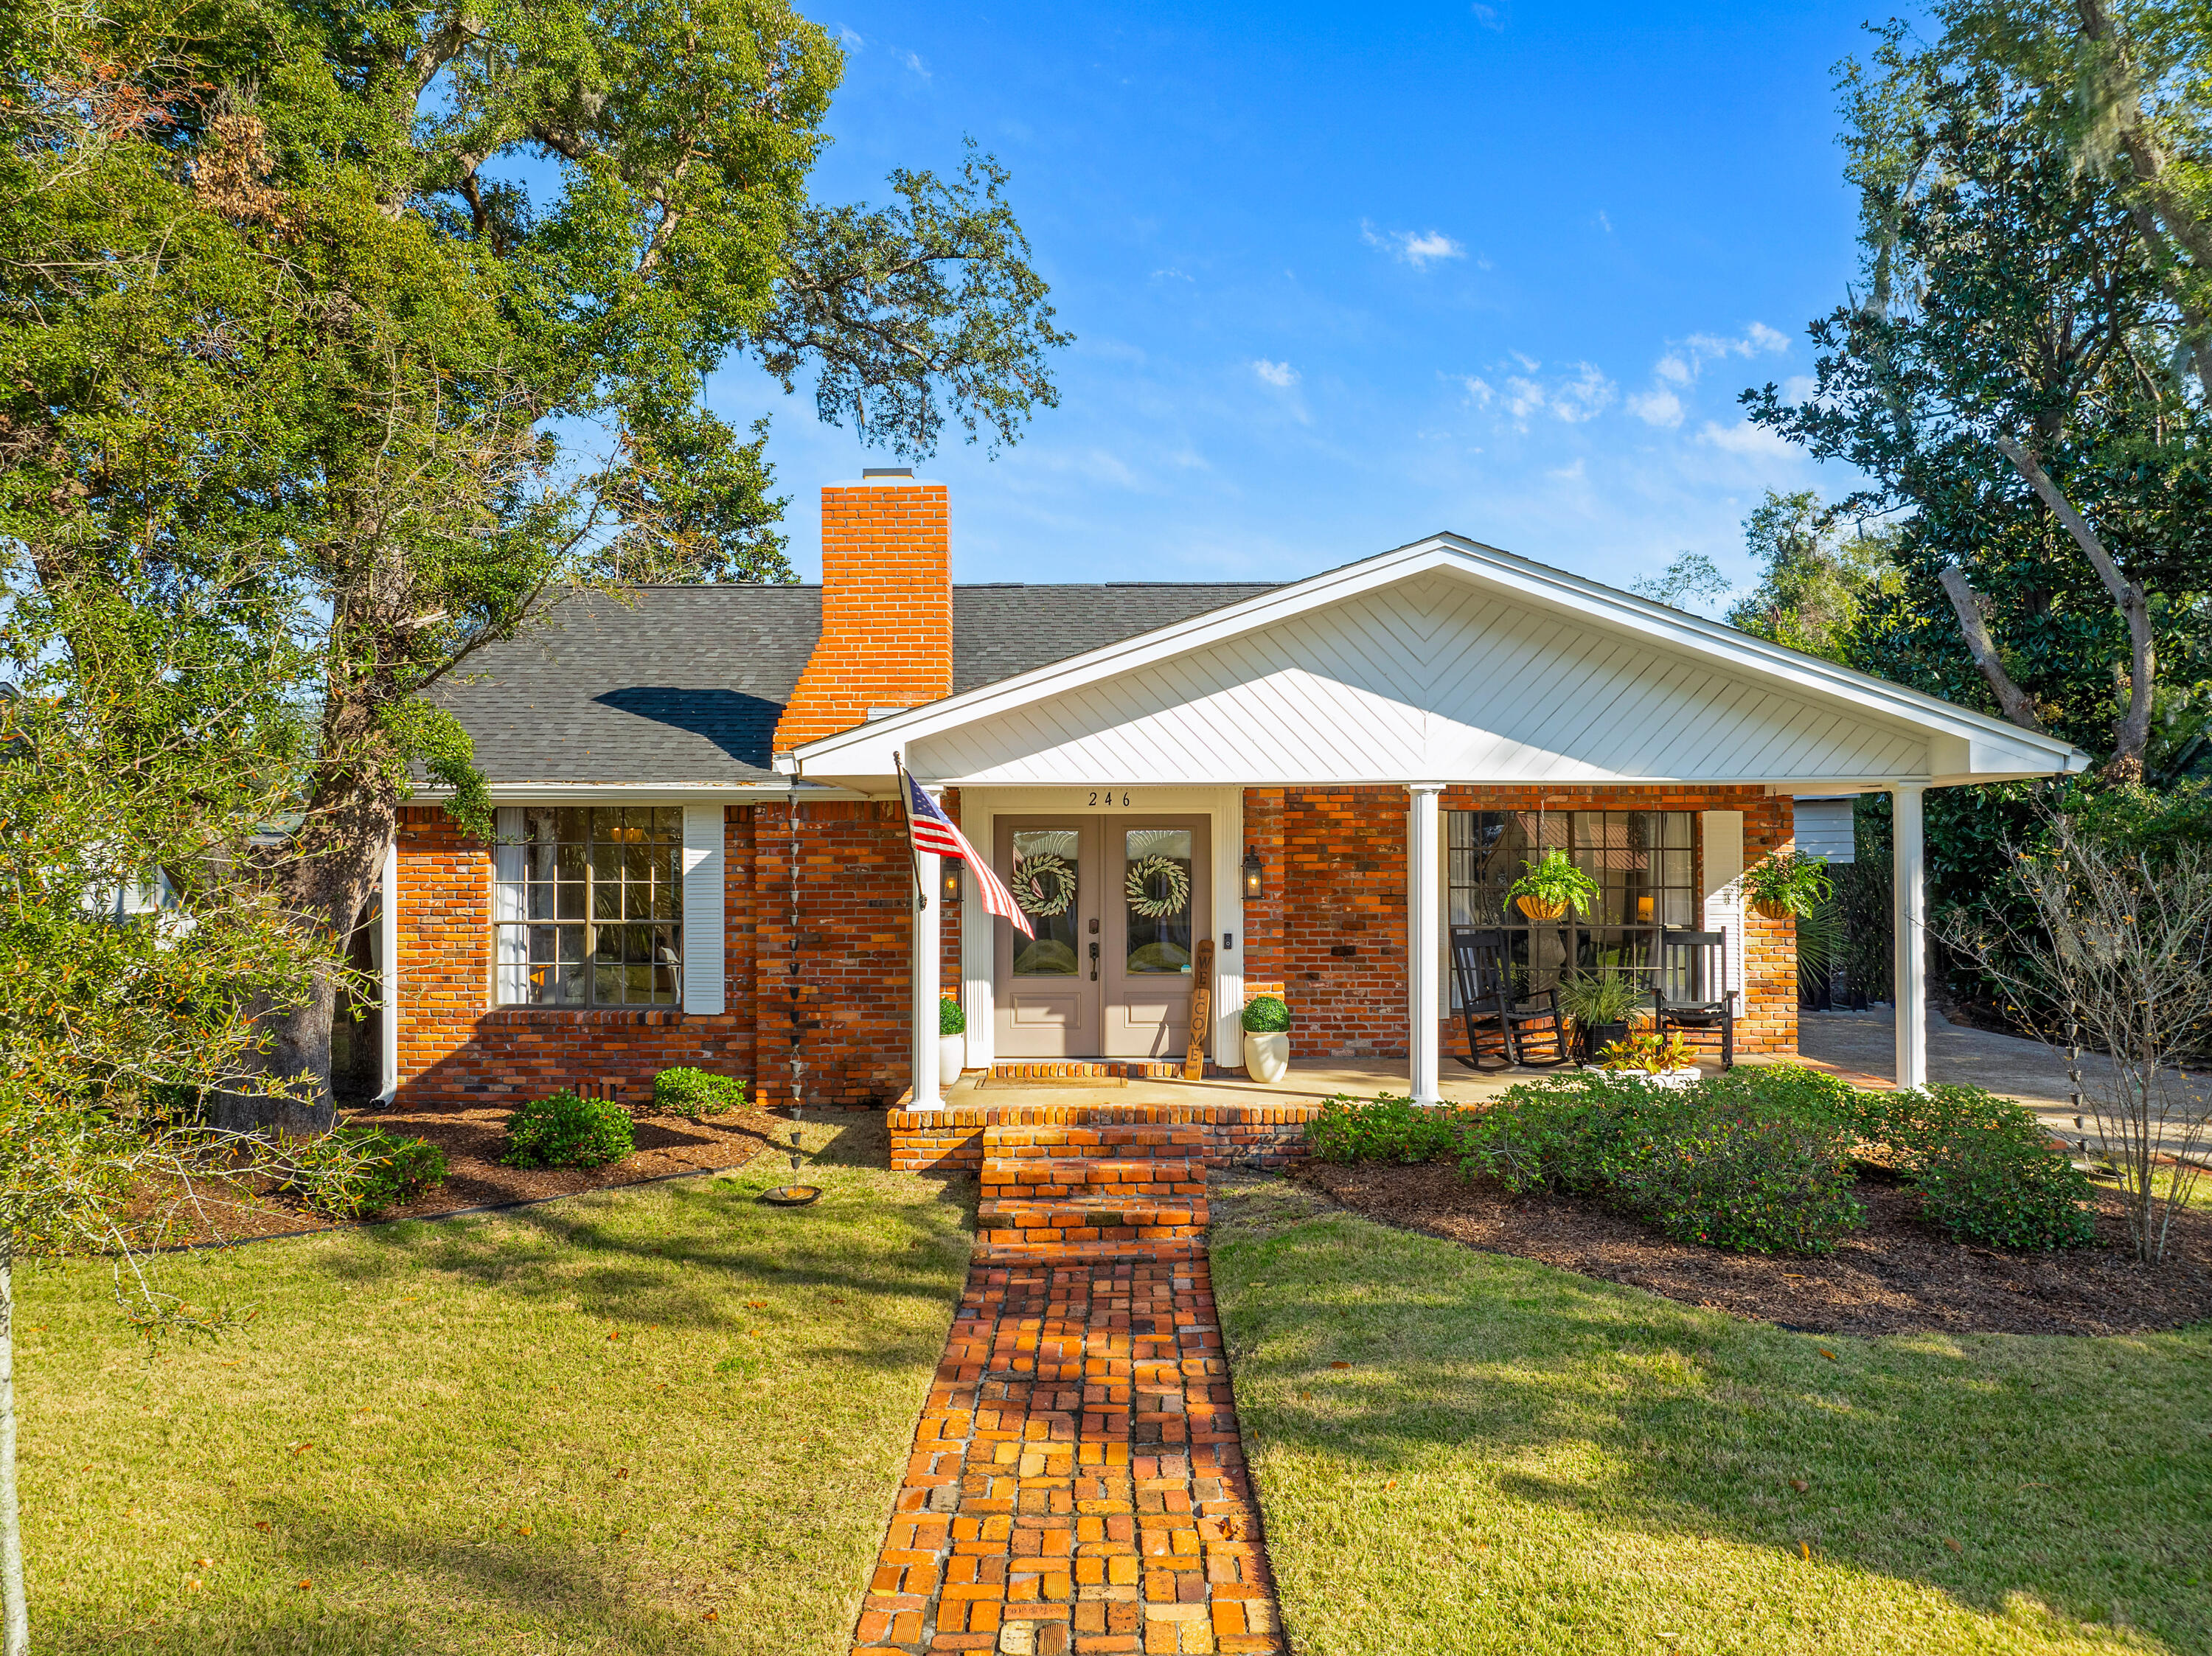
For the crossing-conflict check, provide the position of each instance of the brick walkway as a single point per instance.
(1077, 1483)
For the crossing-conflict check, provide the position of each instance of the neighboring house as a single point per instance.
(701, 857)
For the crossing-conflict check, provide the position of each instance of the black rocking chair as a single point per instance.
(1698, 959)
(1487, 1008)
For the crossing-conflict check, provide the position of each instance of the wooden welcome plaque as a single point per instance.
(1201, 1011)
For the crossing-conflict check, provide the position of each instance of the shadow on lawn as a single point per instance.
(588, 1594)
(1985, 1467)
(684, 1257)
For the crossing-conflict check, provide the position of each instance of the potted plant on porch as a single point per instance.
(1787, 883)
(951, 1040)
(1550, 887)
(1600, 1003)
(1663, 1061)
(1267, 1023)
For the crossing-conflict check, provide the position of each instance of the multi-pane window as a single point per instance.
(587, 906)
(1643, 861)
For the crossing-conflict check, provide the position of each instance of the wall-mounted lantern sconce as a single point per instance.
(948, 881)
(1253, 887)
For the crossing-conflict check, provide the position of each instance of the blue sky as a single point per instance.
(1343, 277)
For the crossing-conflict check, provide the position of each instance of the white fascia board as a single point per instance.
(866, 750)
(638, 793)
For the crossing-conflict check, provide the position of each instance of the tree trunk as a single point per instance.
(16, 1606)
(1966, 603)
(330, 868)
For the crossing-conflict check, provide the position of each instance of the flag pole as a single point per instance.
(905, 810)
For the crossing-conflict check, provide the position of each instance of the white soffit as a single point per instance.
(1444, 659)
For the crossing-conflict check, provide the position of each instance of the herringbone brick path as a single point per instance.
(1077, 1483)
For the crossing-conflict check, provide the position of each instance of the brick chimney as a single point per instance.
(886, 606)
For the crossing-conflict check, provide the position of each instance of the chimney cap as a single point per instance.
(867, 472)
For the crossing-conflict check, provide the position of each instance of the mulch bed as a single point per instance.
(1898, 1276)
(471, 1139)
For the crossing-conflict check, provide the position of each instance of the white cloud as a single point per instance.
(1487, 16)
(1603, 223)
(1672, 366)
(1582, 396)
(849, 37)
(1478, 390)
(1281, 375)
(1755, 442)
(1657, 407)
(1800, 388)
(1416, 248)
(1528, 364)
(1169, 275)
(912, 61)
(1766, 338)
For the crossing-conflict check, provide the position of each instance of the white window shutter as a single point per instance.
(1723, 867)
(703, 908)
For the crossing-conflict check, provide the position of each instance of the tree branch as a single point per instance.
(2131, 731)
(1967, 602)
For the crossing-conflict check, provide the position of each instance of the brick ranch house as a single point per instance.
(699, 855)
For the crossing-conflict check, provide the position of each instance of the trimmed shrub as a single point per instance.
(951, 1016)
(565, 1130)
(1789, 1089)
(1558, 1134)
(1732, 1179)
(1986, 1168)
(1266, 1015)
(353, 1172)
(1989, 1186)
(1385, 1129)
(692, 1093)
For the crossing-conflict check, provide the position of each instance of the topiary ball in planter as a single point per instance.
(565, 1130)
(951, 1040)
(1267, 1021)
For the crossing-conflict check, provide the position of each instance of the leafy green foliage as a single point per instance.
(1604, 997)
(951, 1016)
(1988, 1184)
(1788, 880)
(692, 1094)
(357, 1172)
(1555, 880)
(1266, 1015)
(565, 1130)
(1734, 1180)
(1816, 579)
(1385, 1129)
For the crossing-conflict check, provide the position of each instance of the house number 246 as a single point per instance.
(1107, 797)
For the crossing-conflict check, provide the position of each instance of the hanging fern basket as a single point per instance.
(1772, 911)
(1537, 909)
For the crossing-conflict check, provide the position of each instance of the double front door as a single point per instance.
(1118, 905)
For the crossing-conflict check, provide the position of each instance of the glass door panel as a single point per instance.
(1156, 890)
(1048, 882)
(1047, 1003)
(1158, 905)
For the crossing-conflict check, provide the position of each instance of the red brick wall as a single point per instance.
(456, 1048)
(1330, 934)
(846, 925)
(886, 608)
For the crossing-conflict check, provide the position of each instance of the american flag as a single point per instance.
(934, 831)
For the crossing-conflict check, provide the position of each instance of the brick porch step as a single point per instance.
(1092, 1226)
(1107, 1140)
(1049, 1178)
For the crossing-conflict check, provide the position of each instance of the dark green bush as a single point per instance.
(352, 1172)
(565, 1130)
(1757, 1159)
(1734, 1178)
(1986, 1168)
(1266, 1015)
(1386, 1129)
(1558, 1134)
(951, 1016)
(692, 1093)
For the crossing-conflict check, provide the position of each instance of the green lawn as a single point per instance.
(1517, 1459)
(427, 1440)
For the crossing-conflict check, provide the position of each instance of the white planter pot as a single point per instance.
(952, 1053)
(1267, 1056)
(1672, 1078)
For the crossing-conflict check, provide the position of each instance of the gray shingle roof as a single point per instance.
(685, 684)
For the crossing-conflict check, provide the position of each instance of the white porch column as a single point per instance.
(1424, 904)
(1909, 935)
(925, 1095)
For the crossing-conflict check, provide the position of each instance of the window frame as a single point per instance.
(1604, 856)
(541, 896)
